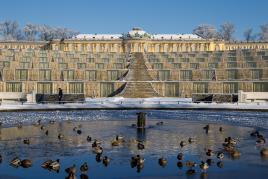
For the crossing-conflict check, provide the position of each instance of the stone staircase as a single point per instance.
(138, 80)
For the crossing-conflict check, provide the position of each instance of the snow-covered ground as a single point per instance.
(135, 103)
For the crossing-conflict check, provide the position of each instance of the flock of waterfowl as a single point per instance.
(137, 161)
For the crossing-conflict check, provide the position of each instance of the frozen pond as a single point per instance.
(160, 141)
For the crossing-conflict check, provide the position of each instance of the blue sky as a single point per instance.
(154, 16)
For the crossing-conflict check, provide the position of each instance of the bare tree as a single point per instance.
(226, 31)
(248, 34)
(206, 31)
(30, 31)
(264, 32)
(10, 30)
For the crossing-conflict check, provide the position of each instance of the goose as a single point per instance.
(46, 132)
(42, 127)
(133, 162)
(79, 132)
(179, 164)
(105, 161)
(160, 123)
(16, 162)
(26, 163)
(209, 152)
(235, 154)
(140, 160)
(162, 162)
(221, 129)
(52, 122)
(191, 140)
(84, 167)
(98, 158)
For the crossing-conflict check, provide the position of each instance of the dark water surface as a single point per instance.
(160, 141)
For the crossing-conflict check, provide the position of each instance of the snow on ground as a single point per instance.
(135, 103)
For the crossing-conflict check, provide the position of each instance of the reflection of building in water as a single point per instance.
(96, 65)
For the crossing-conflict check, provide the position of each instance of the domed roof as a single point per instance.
(136, 32)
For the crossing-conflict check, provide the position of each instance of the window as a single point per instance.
(113, 75)
(76, 88)
(158, 66)
(120, 60)
(200, 88)
(25, 65)
(186, 74)
(91, 75)
(213, 65)
(118, 65)
(43, 65)
(106, 89)
(43, 59)
(5, 64)
(200, 59)
(172, 89)
(105, 60)
(251, 65)
(260, 87)
(170, 60)
(231, 65)
(13, 87)
(99, 65)
(81, 65)
(231, 59)
(90, 60)
(230, 87)
(68, 74)
(44, 75)
(209, 75)
(184, 60)
(44, 88)
(232, 74)
(21, 74)
(194, 65)
(256, 74)
(63, 65)
(176, 65)
(163, 75)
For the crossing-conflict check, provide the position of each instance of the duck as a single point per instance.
(79, 131)
(133, 162)
(182, 143)
(42, 127)
(190, 164)
(55, 165)
(162, 162)
(26, 163)
(254, 133)
(60, 136)
(83, 176)
(19, 125)
(260, 139)
(52, 122)
(180, 156)
(96, 143)
(190, 172)
(89, 138)
(46, 164)
(140, 160)
(179, 164)
(221, 129)
(207, 127)
(204, 166)
(220, 155)
(46, 132)
(209, 152)
(140, 146)
(26, 141)
(16, 162)
(98, 158)
(115, 143)
(264, 152)
(84, 167)
(209, 161)
(235, 154)
(98, 150)
(119, 138)
(71, 170)
(160, 123)
(220, 164)
(105, 161)
(191, 140)
(75, 129)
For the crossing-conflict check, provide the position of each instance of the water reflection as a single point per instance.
(159, 140)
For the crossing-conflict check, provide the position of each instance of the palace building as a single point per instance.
(135, 64)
